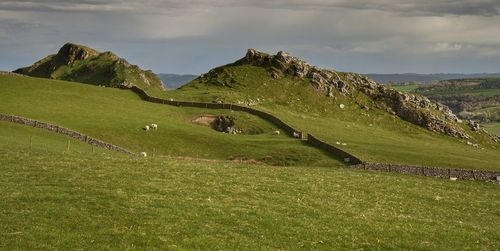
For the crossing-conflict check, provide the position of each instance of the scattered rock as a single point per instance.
(341, 106)
(275, 75)
(224, 124)
(474, 126)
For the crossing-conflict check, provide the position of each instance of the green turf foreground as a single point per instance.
(74, 201)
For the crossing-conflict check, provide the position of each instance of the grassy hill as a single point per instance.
(118, 116)
(77, 201)
(369, 131)
(82, 64)
(210, 190)
(477, 99)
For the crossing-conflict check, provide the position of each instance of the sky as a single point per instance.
(193, 36)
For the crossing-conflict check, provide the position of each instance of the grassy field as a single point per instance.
(493, 127)
(23, 137)
(406, 88)
(80, 201)
(118, 116)
(374, 136)
(483, 92)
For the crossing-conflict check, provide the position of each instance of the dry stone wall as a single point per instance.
(347, 157)
(354, 161)
(62, 130)
(431, 171)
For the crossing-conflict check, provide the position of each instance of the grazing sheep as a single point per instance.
(453, 178)
(144, 154)
(341, 106)
(344, 144)
(277, 132)
(338, 143)
(296, 135)
(154, 126)
(146, 128)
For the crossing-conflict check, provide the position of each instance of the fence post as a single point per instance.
(31, 142)
(154, 152)
(93, 150)
(67, 148)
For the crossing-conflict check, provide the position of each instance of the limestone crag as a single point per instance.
(416, 109)
(70, 53)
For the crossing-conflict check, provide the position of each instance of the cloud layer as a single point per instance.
(192, 36)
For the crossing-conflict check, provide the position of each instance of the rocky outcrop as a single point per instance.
(70, 53)
(225, 124)
(416, 109)
(79, 63)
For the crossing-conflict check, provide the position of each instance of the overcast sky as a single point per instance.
(193, 36)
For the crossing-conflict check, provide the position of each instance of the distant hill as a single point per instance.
(477, 99)
(174, 81)
(79, 63)
(426, 78)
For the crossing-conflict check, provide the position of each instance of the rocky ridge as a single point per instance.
(413, 108)
(83, 64)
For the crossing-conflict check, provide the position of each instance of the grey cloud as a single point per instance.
(191, 36)
(402, 7)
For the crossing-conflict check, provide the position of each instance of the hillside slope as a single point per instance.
(118, 116)
(23, 138)
(83, 64)
(376, 123)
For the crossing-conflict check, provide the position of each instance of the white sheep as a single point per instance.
(341, 106)
(296, 135)
(277, 132)
(144, 154)
(154, 126)
(146, 128)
